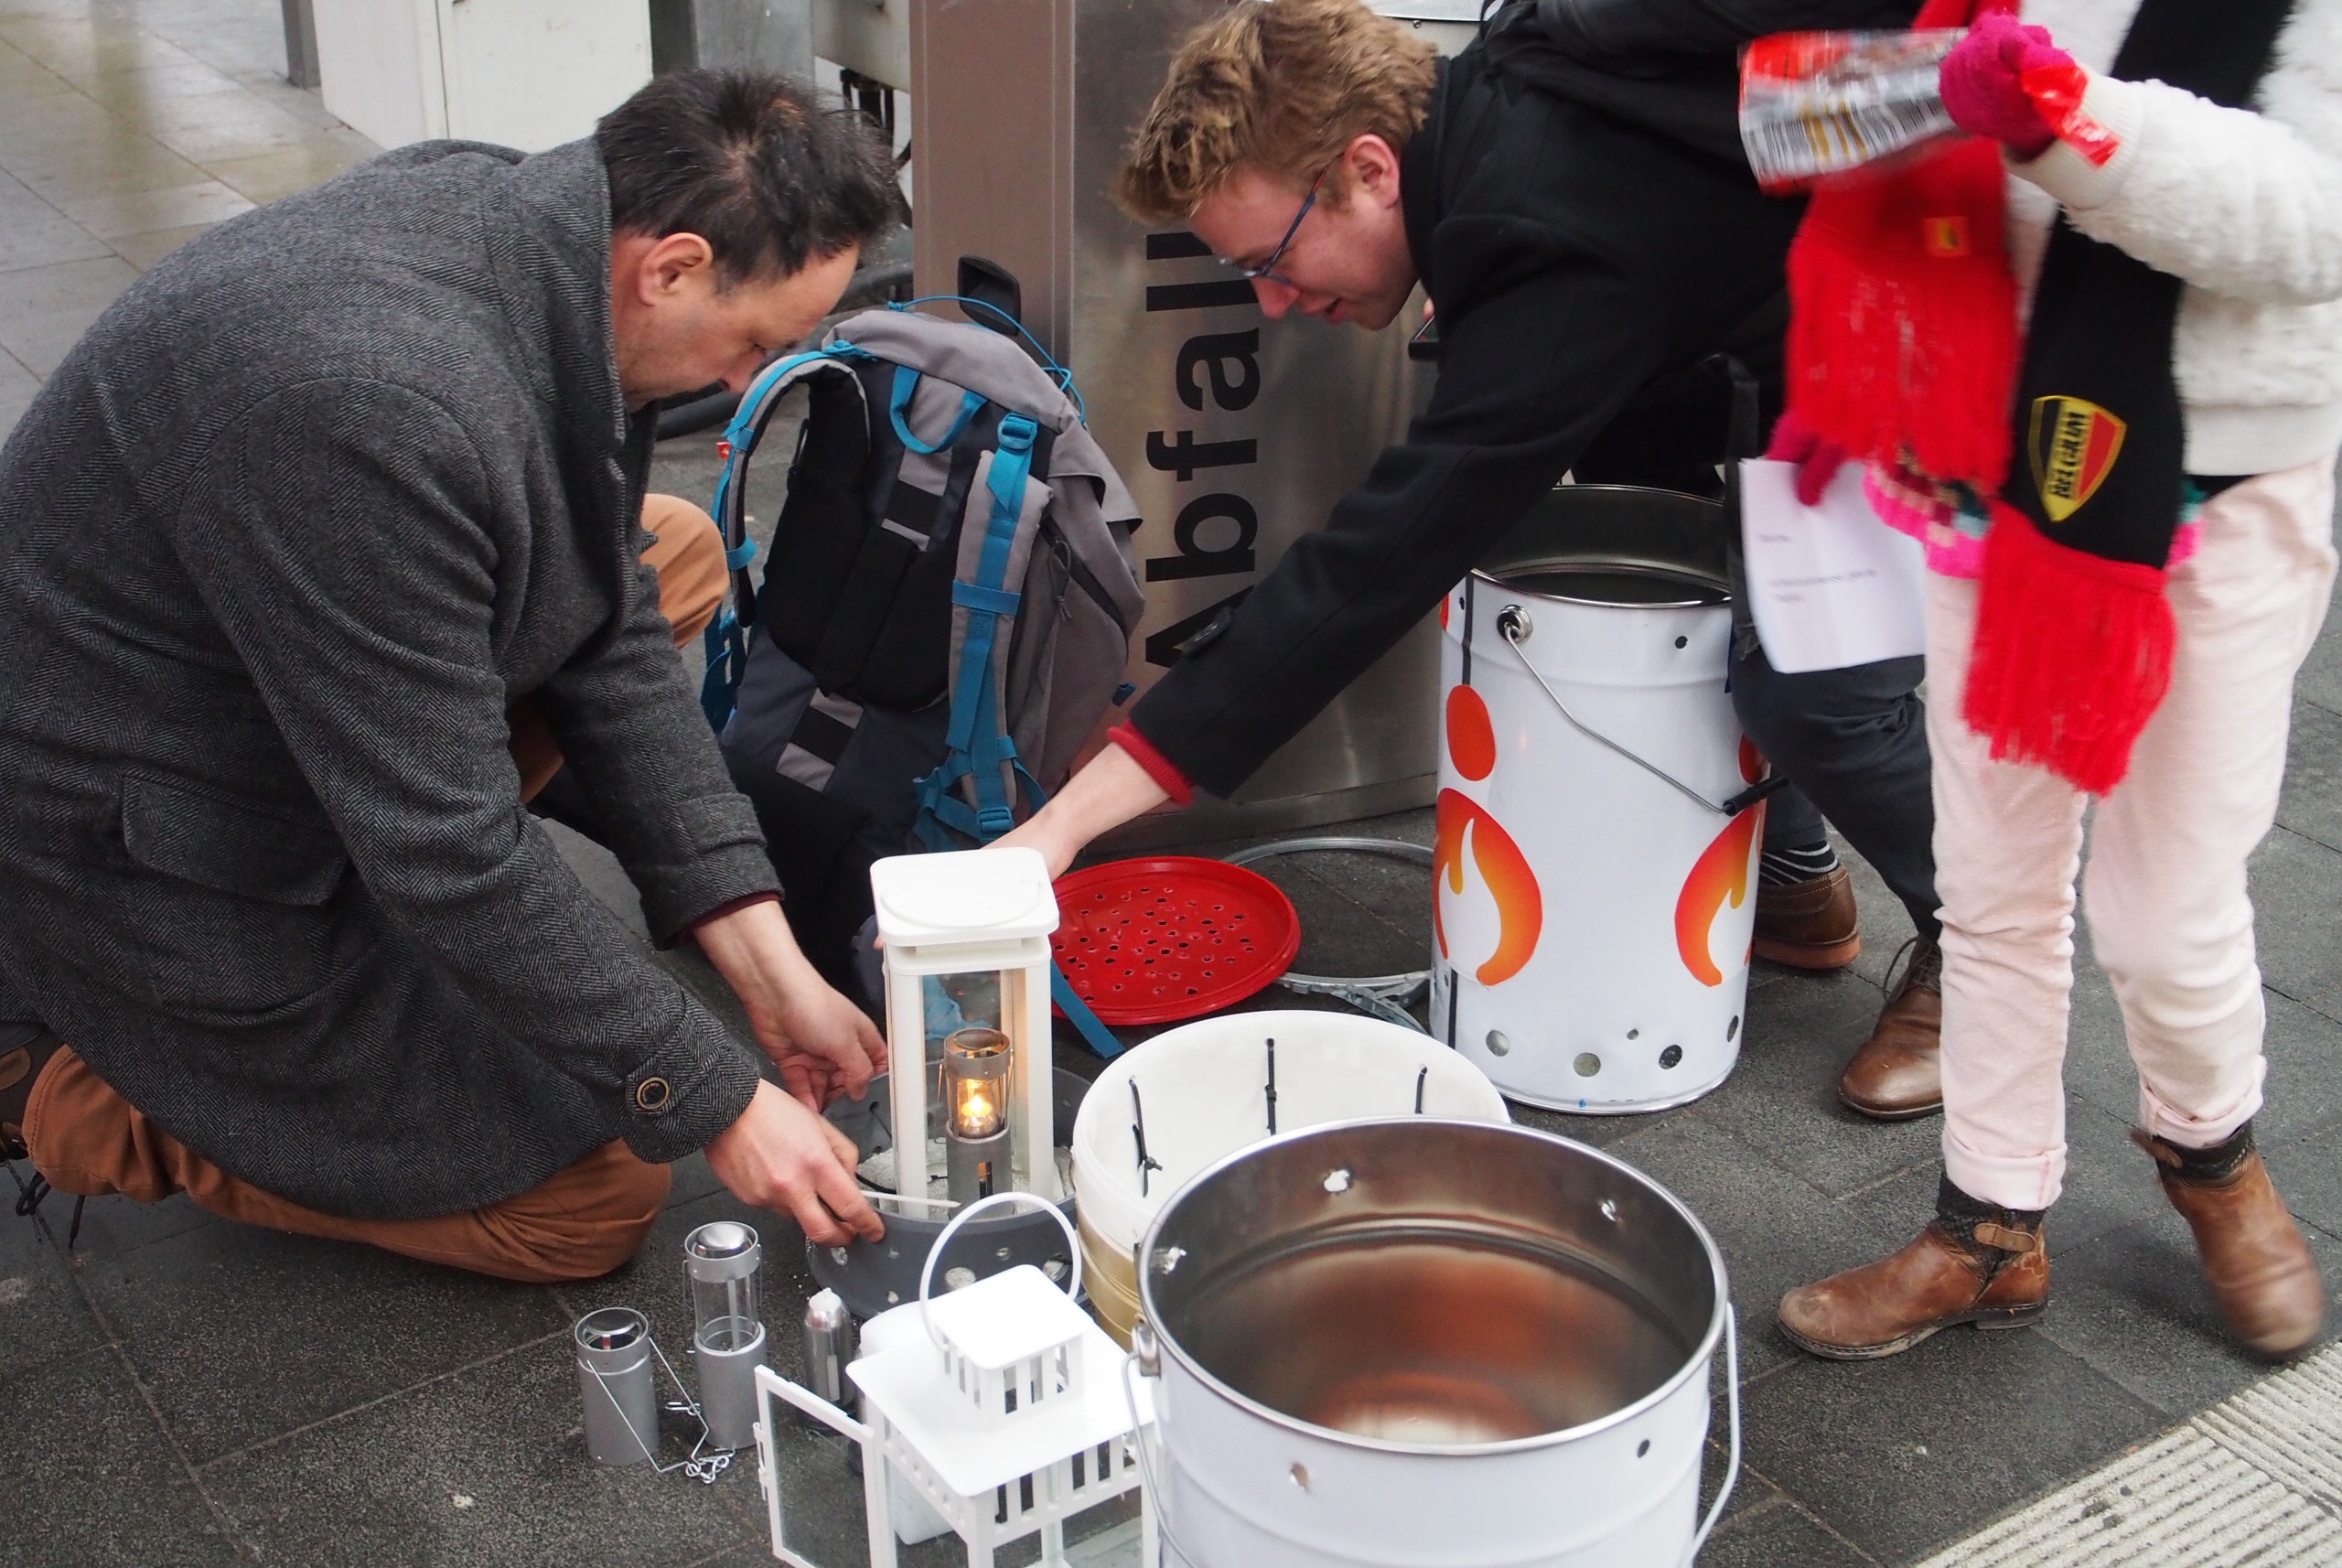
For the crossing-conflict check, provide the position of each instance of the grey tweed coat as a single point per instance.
(280, 542)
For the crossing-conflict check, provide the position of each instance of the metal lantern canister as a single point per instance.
(616, 1379)
(975, 1125)
(727, 1332)
(967, 963)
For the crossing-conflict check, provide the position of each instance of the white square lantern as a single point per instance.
(966, 940)
(1009, 1415)
(1014, 1347)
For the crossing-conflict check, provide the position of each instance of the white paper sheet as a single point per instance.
(1830, 585)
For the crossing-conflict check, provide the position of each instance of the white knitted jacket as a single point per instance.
(2246, 207)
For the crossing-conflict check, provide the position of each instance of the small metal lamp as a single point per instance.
(975, 1122)
(727, 1333)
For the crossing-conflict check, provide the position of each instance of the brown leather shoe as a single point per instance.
(1897, 1073)
(2000, 1279)
(2263, 1280)
(1808, 925)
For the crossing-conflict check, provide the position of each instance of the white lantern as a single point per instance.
(967, 957)
(1007, 1417)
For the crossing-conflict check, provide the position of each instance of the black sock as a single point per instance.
(2217, 1163)
(1961, 1214)
(1802, 863)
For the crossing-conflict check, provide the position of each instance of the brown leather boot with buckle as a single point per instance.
(2263, 1280)
(1809, 924)
(1897, 1073)
(1974, 1263)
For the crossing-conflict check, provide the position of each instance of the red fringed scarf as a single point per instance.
(1903, 341)
(1903, 348)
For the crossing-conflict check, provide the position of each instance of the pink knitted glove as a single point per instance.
(1981, 87)
(1817, 460)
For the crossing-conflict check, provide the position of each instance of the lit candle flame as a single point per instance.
(976, 1116)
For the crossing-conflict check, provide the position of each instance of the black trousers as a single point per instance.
(816, 847)
(1853, 744)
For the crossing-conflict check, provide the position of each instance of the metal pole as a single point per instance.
(301, 44)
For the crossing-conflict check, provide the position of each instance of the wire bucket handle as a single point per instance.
(997, 1200)
(1732, 1402)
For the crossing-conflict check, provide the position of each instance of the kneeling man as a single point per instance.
(320, 549)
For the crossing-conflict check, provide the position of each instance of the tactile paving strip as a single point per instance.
(2256, 1480)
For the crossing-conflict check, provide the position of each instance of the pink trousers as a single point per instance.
(2169, 917)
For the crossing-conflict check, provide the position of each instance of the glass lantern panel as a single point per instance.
(972, 999)
(976, 1063)
(723, 1313)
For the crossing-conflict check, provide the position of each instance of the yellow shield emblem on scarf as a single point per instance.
(2073, 444)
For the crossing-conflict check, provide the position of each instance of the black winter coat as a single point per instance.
(280, 542)
(1584, 221)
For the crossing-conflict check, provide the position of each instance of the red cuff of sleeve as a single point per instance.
(1158, 767)
(733, 907)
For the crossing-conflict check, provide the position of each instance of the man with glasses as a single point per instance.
(1570, 192)
(1268, 267)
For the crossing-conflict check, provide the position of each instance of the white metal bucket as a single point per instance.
(1202, 1095)
(1595, 869)
(1431, 1345)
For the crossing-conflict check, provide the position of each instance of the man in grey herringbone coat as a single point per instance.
(304, 520)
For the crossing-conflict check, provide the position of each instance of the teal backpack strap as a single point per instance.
(899, 409)
(976, 743)
(1091, 1028)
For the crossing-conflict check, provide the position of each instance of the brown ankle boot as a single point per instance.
(1808, 925)
(1897, 1074)
(1974, 1263)
(2263, 1280)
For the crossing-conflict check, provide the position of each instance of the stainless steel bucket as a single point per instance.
(1409, 1342)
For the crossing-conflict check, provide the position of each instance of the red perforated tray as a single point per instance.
(1154, 941)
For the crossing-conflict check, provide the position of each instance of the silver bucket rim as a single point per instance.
(1613, 568)
(1696, 1361)
(1677, 510)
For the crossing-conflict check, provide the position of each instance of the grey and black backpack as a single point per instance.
(952, 592)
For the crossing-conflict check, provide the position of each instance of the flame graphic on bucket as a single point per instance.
(1721, 873)
(1471, 734)
(1521, 907)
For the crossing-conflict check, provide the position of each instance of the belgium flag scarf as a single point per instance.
(1903, 348)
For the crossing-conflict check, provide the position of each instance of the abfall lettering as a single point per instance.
(1225, 367)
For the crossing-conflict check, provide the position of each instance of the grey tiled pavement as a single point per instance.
(178, 1389)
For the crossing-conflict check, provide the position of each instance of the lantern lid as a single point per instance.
(969, 895)
(722, 1249)
(1007, 1318)
(971, 1454)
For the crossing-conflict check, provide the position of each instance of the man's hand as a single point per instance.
(1110, 790)
(823, 1044)
(779, 1155)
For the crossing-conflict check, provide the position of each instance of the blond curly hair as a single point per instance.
(1281, 87)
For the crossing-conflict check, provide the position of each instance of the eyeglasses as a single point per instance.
(1267, 269)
